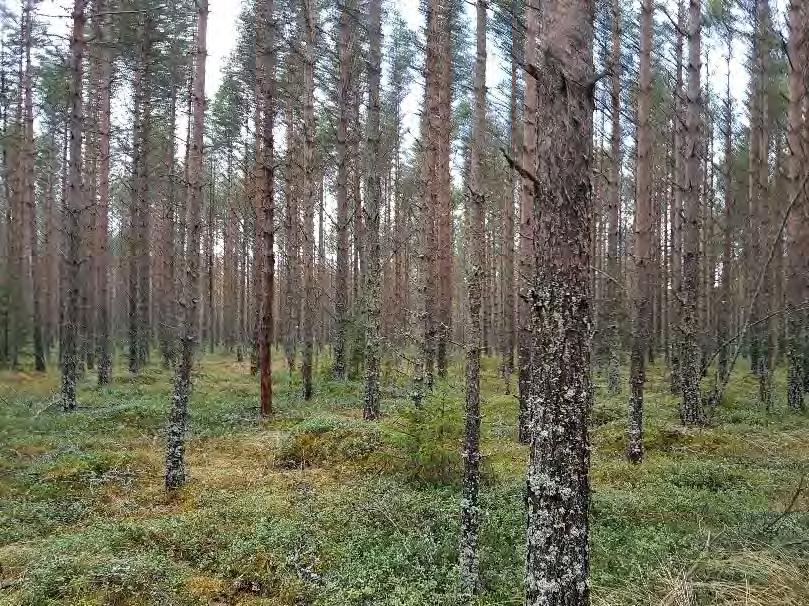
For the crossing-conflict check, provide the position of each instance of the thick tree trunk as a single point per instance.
(643, 241)
(470, 450)
(73, 212)
(175, 463)
(558, 490)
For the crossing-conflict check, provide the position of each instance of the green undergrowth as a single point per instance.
(316, 506)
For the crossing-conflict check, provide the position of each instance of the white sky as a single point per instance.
(222, 36)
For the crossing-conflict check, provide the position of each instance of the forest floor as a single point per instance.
(316, 506)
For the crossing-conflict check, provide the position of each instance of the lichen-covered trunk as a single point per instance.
(73, 212)
(526, 243)
(691, 406)
(371, 404)
(643, 242)
(558, 489)
(470, 449)
(175, 449)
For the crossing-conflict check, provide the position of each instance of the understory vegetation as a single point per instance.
(317, 506)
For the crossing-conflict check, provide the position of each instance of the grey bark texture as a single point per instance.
(558, 489)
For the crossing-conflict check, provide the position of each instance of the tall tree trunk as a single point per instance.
(309, 14)
(265, 279)
(614, 293)
(470, 450)
(726, 304)
(507, 346)
(29, 193)
(529, 160)
(643, 241)
(139, 209)
(676, 216)
(798, 226)
(73, 212)
(558, 489)
(341, 228)
(104, 353)
(443, 185)
(371, 404)
(175, 464)
(691, 408)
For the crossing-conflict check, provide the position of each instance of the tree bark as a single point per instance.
(691, 408)
(309, 14)
(73, 213)
(371, 404)
(614, 290)
(265, 279)
(526, 244)
(341, 228)
(103, 316)
(798, 225)
(643, 241)
(470, 450)
(178, 419)
(558, 490)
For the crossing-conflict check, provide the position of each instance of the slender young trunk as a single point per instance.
(371, 404)
(73, 212)
(175, 464)
(643, 241)
(529, 160)
(470, 450)
(558, 488)
(691, 408)
(265, 279)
